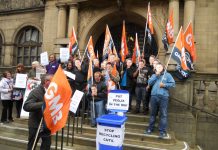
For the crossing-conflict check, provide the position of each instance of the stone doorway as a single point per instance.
(131, 30)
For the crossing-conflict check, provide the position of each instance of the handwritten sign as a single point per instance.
(64, 54)
(75, 100)
(118, 100)
(44, 58)
(31, 84)
(111, 136)
(20, 80)
(70, 75)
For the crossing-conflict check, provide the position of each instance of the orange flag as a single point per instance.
(189, 42)
(73, 45)
(57, 102)
(136, 51)
(170, 29)
(91, 49)
(124, 48)
(178, 51)
(150, 24)
(111, 84)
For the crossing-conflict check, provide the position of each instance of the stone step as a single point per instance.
(8, 133)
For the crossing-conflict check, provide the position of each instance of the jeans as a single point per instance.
(46, 140)
(99, 108)
(162, 103)
(7, 110)
(141, 96)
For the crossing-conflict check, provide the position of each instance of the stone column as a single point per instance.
(174, 5)
(73, 18)
(62, 21)
(189, 12)
(206, 96)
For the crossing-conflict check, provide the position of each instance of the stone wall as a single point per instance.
(206, 35)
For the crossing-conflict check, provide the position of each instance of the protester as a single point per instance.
(98, 93)
(161, 83)
(96, 67)
(32, 72)
(33, 104)
(80, 71)
(6, 88)
(18, 93)
(142, 77)
(127, 81)
(52, 67)
(69, 68)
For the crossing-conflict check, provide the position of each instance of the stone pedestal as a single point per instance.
(73, 18)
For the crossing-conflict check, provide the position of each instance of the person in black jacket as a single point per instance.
(80, 70)
(33, 104)
(127, 82)
(98, 93)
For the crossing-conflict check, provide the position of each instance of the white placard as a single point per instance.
(118, 100)
(44, 58)
(31, 84)
(39, 71)
(70, 75)
(75, 100)
(64, 54)
(111, 136)
(20, 80)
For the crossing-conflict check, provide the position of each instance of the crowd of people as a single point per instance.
(149, 82)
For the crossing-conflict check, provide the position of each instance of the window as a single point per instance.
(1, 51)
(28, 46)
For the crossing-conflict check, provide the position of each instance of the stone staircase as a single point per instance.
(15, 135)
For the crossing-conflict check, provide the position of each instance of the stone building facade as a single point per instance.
(29, 27)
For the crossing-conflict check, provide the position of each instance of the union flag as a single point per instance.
(150, 24)
(124, 49)
(73, 44)
(178, 51)
(136, 51)
(189, 42)
(109, 46)
(57, 102)
(90, 49)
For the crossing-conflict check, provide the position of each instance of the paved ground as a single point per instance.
(6, 147)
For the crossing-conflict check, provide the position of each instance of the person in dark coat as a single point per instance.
(33, 104)
(127, 82)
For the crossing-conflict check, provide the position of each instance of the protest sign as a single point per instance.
(118, 100)
(39, 71)
(70, 75)
(44, 58)
(75, 100)
(64, 54)
(31, 84)
(111, 136)
(20, 80)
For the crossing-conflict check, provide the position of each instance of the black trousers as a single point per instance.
(129, 89)
(7, 110)
(19, 104)
(46, 140)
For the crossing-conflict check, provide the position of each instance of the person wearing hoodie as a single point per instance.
(161, 82)
(6, 88)
(53, 65)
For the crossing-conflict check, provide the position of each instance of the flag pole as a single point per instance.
(93, 98)
(37, 133)
(146, 26)
(85, 50)
(170, 55)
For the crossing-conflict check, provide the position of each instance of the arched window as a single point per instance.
(28, 46)
(1, 51)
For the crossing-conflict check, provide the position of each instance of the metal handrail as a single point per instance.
(200, 109)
